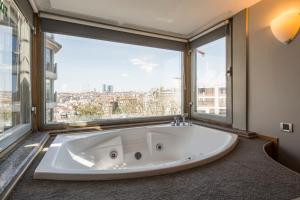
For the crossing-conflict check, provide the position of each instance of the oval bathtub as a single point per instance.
(132, 152)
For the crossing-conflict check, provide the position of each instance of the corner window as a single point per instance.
(212, 77)
(93, 80)
(15, 84)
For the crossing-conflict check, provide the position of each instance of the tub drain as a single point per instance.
(113, 154)
(138, 155)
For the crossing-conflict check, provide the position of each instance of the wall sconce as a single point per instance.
(286, 26)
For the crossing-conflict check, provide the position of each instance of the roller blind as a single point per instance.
(211, 36)
(26, 10)
(74, 29)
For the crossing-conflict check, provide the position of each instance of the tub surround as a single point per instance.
(246, 173)
(208, 124)
(265, 93)
(14, 163)
(12, 171)
(245, 134)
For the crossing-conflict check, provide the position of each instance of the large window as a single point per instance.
(212, 81)
(90, 80)
(15, 62)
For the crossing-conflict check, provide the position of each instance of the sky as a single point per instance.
(211, 66)
(5, 58)
(85, 64)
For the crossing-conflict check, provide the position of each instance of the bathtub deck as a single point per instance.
(246, 173)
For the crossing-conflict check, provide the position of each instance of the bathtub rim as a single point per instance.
(54, 173)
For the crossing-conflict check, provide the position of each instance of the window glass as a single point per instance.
(89, 80)
(211, 78)
(15, 62)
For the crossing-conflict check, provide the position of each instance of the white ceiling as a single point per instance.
(180, 18)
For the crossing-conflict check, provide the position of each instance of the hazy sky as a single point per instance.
(85, 64)
(5, 58)
(211, 66)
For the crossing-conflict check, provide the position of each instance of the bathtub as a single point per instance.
(132, 152)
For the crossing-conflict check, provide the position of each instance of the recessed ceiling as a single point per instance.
(180, 18)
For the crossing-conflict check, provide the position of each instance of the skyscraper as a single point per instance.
(107, 88)
(104, 88)
(110, 88)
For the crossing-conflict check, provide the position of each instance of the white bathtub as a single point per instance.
(132, 152)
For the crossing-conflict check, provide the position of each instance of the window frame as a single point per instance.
(101, 122)
(13, 135)
(224, 31)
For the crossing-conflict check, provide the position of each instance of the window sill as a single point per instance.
(11, 137)
(224, 127)
(111, 123)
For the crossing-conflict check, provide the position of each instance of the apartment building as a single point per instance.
(52, 47)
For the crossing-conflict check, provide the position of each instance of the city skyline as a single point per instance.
(126, 67)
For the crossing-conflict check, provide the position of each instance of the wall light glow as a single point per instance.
(286, 26)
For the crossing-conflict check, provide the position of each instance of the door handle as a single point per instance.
(229, 72)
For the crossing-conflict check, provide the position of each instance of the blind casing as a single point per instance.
(68, 28)
(26, 10)
(209, 37)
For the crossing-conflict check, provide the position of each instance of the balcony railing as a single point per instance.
(51, 67)
(51, 36)
(55, 97)
(51, 98)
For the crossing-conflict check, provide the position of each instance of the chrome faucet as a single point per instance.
(184, 116)
(190, 114)
(178, 119)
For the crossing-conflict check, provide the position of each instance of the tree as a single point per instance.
(89, 110)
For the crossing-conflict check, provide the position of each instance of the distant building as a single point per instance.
(110, 88)
(211, 100)
(104, 88)
(14, 60)
(107, 88)
(52, 47)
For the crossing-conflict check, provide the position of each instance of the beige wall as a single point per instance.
(274, 79)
